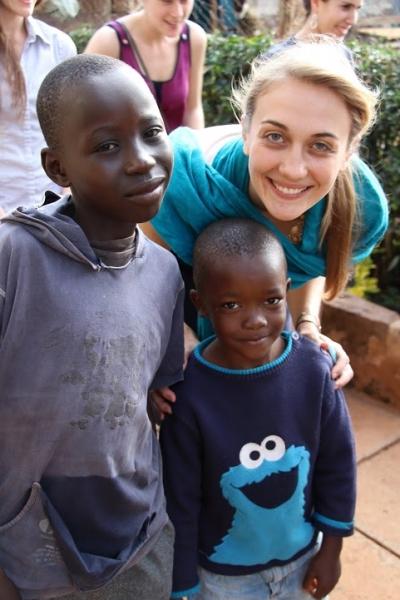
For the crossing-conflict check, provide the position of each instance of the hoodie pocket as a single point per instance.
(29, 552)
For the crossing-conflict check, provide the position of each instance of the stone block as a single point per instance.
(370, 335)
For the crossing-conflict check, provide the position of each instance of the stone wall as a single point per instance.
(371, 336)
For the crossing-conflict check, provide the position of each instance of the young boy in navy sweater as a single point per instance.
(259, 452)
(90, 320)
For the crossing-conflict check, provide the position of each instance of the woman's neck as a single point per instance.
(307, 29)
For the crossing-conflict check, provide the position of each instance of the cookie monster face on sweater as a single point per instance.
(267, 491)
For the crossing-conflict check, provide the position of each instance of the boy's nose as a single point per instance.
(255, 319)
(139, 161)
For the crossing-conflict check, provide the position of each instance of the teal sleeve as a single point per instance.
(373, 210)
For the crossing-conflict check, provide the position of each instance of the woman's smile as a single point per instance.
(288, 192)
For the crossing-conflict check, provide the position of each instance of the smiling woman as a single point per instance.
(168, 51)
(294, 169)
(334, 17)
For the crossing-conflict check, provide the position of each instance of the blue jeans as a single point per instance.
(283, 583)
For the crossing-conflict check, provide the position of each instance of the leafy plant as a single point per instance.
(228, 58)
(64, 8)
(81, 36)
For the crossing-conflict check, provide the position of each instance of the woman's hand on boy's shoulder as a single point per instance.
(342, 371)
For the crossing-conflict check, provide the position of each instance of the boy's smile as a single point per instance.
(245, 298)
(114, 153)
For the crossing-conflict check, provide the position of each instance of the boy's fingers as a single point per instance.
(167, 394)
(310, 584)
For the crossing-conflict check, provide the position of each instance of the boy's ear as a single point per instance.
(288, 284)
(53, 168)
(196, 299)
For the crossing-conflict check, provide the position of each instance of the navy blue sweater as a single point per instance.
(256, 462)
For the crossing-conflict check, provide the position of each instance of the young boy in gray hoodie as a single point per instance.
(90, 321)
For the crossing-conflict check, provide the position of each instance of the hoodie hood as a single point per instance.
(54, 227)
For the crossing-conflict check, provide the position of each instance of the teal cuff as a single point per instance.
(344, 525)
(188, 592)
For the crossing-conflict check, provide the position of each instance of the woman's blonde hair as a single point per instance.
(321, 61)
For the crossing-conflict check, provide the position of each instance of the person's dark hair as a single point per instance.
(230, 238)
(307, 6)
(66, 76)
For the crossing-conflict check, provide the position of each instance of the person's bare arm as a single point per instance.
(104, 41)
(194, 114)
(306, 301)
(324, 570)
(307, 298)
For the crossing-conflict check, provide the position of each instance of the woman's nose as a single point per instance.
(178, 10)
(353, 17)
(293, 165)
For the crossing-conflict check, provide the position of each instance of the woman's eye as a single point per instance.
(322, 147)
(274, 137)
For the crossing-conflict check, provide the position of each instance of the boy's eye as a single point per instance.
(273, 301)
(107, 147)
(230, 305)
(153, 132)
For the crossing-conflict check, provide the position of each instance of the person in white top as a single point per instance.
(29, 49)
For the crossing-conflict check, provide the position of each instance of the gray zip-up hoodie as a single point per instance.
(80, 345)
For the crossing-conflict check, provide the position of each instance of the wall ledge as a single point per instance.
(370, 335)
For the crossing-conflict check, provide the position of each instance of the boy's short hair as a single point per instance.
(230, 238)
(64, 77)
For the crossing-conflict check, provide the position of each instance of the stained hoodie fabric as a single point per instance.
(81, 496)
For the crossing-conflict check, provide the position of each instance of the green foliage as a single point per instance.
(363, 282)
(380, 66)
(81, 36)
(228, 58)
(62, 8)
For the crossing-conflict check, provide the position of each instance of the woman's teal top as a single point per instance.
(199, 194)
